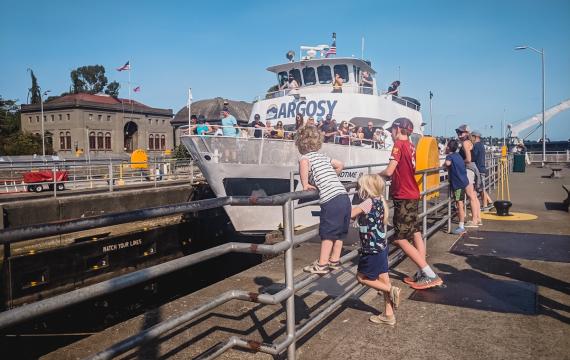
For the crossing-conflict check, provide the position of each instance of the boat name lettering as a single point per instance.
(122, 245)
(350, 174)
(305, 108)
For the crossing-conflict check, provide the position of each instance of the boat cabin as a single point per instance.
(317, 75)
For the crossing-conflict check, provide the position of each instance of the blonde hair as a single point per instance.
(372, 186)
(308, 139)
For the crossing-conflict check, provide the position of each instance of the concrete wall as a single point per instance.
(55, 209)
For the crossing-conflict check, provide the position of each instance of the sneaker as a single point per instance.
(316, 268)
(410, 280)
(459, 231)
(381, 319)
(334, 265)
(395, 297)
(426, 282)
(471, 224)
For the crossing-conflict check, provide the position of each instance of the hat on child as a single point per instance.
(402, 123)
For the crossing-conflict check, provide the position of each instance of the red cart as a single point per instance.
(39, 179)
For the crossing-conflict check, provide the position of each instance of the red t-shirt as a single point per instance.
(404, 184)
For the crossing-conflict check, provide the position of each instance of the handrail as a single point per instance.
(29, 311)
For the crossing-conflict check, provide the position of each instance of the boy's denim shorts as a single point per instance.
(335, 218)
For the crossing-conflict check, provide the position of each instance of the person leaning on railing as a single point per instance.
(258, 125)
(366, 83)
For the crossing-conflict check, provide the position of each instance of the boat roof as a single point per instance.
(320, 61)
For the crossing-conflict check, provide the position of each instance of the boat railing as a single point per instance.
(439, 211)
(551, 157)
(264, 145)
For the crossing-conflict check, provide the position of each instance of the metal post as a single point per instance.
(110, 177)
(53, 171)
(449, 210)
(424, 202)
(289, 279)
(543, 120)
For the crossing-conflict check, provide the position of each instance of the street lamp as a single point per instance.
(42, 121)
(541, 52)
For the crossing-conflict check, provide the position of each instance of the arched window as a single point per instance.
(62, 141)
(151, 142)
(156, 142)
(163, 142)
(100, 140)
(68, 140)
(108, 141)
(92, 140)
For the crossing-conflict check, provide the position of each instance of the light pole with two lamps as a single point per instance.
(541, 52)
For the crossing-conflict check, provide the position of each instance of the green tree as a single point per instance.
(89, 79)
(113, 89)
(34, 91)
(180, 152)
(22, 144)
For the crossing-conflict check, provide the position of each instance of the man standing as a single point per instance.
(369, 131)
(329, 129)
(229, 124)
(405, 194)
(479, 160)
(258, 125)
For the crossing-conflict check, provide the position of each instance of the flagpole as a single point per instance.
(189, 107)
(430, 114)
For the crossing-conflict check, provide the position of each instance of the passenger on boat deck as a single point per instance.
(299, 121)
(328, 128)
(310, 121)
(378, 139)
(203, 127)
(229, 124)
(357, 136)
(193, 122)
(366, 83)
(343, 133)
(292, 85)
(337, 84)
(278, 132)
(258, 125)
(369, 131)
(268, 129)
(393, 89)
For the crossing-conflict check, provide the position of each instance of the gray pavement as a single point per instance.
(492, 306)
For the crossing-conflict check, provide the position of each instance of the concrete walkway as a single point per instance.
(495, 304)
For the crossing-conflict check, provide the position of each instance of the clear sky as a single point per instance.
(460, 50)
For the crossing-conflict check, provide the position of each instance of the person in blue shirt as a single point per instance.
(203, 127)
(229, 124)
(457, 175)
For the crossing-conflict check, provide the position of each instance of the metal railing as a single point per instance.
(97, 175)
(292, 285)
(551, 157)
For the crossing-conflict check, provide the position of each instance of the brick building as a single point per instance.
(101, 124)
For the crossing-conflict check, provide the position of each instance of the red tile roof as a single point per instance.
(100, 99)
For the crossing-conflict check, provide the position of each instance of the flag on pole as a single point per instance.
(332, 49)
(430, 95)
(137, 89)
(127, 66)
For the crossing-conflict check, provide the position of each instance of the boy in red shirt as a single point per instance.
(405, 194)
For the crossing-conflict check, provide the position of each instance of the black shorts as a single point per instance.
(335, 218)
(406, 222)
(458, 194)
(373, 265)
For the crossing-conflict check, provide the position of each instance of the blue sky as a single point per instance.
(460, 50)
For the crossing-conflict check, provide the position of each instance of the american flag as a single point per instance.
(137, 89)
(127, 66)
(331, 51)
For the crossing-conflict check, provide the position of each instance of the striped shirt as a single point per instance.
(323, 176)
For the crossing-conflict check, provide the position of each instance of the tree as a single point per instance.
(113, 89)
(180, 152)
(9, 117)
(21, 144)
(89, 79)
(35, 89)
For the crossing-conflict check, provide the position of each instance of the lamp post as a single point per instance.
(541, 52)
(42, 121)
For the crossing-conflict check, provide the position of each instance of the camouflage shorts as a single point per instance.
(405, 219)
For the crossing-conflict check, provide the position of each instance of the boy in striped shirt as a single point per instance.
(319, 172)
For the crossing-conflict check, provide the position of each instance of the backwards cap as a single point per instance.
(402, 123)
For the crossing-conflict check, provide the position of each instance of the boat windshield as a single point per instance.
(342, 70)
(309, 76)
(324, 72)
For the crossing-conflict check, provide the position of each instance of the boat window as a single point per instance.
(342, 70)
(324, 72)
(296, 75)
(356, 70)
(282, 77)
(309, 77)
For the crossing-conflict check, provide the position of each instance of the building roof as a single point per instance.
(211, 109)
(97, 102)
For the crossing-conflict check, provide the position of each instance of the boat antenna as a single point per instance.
(362, 49)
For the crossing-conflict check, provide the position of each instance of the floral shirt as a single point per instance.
(371, 227)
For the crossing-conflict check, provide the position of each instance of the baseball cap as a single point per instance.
(463, 128)
(476, 133)
(402, 123)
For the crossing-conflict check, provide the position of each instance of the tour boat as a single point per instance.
(247, 165)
